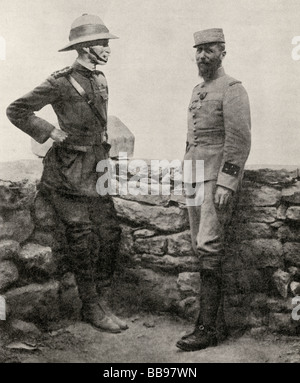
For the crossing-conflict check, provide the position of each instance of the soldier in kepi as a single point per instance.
(218, 134)
(78, 95)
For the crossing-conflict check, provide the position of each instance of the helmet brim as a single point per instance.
(102, 36)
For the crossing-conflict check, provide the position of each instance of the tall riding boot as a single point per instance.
(221, 326)
(204, 334)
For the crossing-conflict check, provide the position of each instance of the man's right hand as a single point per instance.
(58, 135)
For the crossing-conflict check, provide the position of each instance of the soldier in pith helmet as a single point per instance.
(218, 134)
(79, 95)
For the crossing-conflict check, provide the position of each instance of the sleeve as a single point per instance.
(21, 112)
(237, 123)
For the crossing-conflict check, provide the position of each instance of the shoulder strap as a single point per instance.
(84, 95)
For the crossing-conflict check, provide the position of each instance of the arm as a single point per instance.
(237, 123)
(21, 112)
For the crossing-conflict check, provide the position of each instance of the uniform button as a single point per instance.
(195, 122)
(195, 130)
(195, 144)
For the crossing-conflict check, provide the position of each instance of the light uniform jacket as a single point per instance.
(219, 129)
(69, 167)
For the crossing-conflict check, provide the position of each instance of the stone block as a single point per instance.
(188, 283)
(293, 213)
(8, 274)
(291, 253)
(261, 253)
(282, 281)
(16, 225)
(180, 244)
(38, 257)
(169, 219)
(154, 245)
(263, 196)
(9, 249)
(171, 264)
(35, 303)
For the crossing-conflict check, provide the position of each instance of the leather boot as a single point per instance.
(91, 311)
(204, 334)
(120, 322)
(95, 315)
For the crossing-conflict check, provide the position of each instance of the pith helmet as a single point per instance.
(214, 35)
(85, 29)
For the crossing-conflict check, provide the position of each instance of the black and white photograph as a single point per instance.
(149, 184)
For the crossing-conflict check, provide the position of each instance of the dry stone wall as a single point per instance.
(157, 269)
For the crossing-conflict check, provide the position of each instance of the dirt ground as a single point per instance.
(149, 339)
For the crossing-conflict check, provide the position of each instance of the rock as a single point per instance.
(8, 274)
(189, 283)
(261, 253)
(281, 212)
(143, 188)
(295, 288)
(282, 280)
(149, 324)
(9, 249)
(282, 323)
(171, 264)
(43, 238)
(38, 257)
(70, 303)
(24, 328)
(277, 224)
(127, 243)
(45, 216)
(144, 233)
(154, 245)
(264, 196)
(291, 253)
(16, 225)
(120, 137)
(180, 244)
(166, 219)
(289, 233)
(189, 308)
(292, 194)
(16, 195)
(258, 214)
(158, 292)
(36, 303)
(252, 230)
(258, 332)
(293, 213)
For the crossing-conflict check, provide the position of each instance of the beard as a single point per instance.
(207, 70)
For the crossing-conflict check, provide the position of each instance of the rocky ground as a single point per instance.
(149, 339)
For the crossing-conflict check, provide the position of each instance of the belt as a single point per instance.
(99, 139)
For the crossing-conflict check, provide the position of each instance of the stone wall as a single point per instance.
(157, 269)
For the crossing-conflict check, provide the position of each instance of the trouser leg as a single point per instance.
(207, 230)
(75, 213)
(107, 234)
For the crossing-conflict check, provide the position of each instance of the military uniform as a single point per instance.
(218, 134)
(69, 177)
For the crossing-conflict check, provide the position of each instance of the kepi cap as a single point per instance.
(207, 36)
(87, 28)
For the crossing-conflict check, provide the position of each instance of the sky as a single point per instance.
(152, 70)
